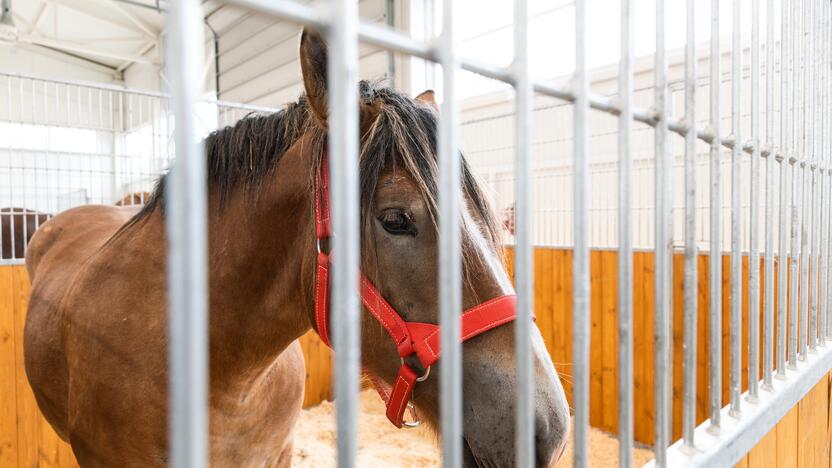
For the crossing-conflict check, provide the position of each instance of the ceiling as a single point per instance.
(111, 33)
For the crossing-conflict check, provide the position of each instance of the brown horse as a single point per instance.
(96, 334)
(17, 226)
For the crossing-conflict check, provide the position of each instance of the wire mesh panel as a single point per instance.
(64, 144)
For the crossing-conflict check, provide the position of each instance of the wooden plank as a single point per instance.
(596, 396)
(703, 346)
(561, 300)
(743, 463)
(66, 457)
(810, 424)
(48, 445)
(640, 384)
(566, 278)
(744, 342)
(8, 371)
(644, 324)
(726, 328)
(765, 452)
(609, 298)
(678, 329)
(787, 439)
(27, 409)
(543, 307)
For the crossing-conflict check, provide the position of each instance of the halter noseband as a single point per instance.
(411, 338)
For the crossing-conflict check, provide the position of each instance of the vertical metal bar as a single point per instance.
(343, 164)
(24, 220)
(8, 88)
(754, 212)
(580, 308)
(768, 287)
(715, 272)
(524, 278)
(625, 240)
(690, 283)
(187, 247)
(824, 65)
(794, 253)
(821, 167)
(804, 185)
(664, 246)
(811, 264)
(736, 213)
(813, 175)
(450, 273)
(827, 64)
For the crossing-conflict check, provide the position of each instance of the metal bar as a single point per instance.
(824, 111)
(804, 184)
(754, 211)
(821, 169)
(343, 164)
(768, 287)
(450, 257)
(812, 186)
(820, 321)
(580, 293)
(8, 88)
(715, 272)
(783, 254)
(794, 256)
(524, 256)
(664, 247)
(735, 328)
(690, 283)
(739, 435)
(625, 240)
(187, 247)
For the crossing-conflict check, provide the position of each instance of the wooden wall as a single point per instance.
(27, 440)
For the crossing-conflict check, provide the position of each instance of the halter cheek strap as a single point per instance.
(411, 338)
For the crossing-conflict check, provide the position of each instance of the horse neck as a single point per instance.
(261, 268)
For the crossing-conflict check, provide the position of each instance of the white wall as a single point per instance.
(488, 142)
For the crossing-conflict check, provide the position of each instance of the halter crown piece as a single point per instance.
(411, 338)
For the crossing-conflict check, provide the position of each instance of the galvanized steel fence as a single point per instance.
(800, 148)
(799, 145)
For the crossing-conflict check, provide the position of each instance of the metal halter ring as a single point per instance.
(415, 421)
(424, 376)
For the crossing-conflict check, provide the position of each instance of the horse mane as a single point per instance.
(404, 134)
(244, 154)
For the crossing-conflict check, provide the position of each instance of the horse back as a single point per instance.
(57, 253)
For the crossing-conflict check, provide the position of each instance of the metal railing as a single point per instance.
(800, 147)
(65, 143)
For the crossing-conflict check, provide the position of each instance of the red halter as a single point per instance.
(421, 339)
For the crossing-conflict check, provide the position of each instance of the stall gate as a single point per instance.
(780, 140)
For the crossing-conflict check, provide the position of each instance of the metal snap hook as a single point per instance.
(415, 422)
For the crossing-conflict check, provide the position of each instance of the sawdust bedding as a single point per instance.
(381, 445)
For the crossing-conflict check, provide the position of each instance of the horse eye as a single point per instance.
(397, 222)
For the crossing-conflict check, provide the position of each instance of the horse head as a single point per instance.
(398, 182)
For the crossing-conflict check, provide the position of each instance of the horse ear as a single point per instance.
(313, 65)
(427, 97)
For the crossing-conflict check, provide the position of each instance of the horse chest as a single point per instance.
(252, 425)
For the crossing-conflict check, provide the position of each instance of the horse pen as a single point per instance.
(612, 216)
